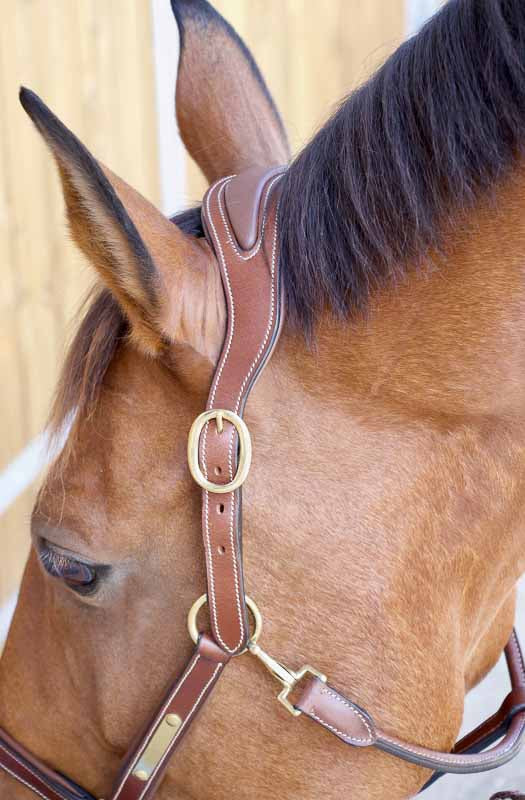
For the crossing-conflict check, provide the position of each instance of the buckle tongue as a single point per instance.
(245, 449)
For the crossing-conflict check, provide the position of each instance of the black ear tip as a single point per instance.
(31, 102)
(183, 5)
(192, 9)
(180, 8)
(24, 95)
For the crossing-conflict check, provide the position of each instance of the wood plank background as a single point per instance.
(311, 55)
(92, 62)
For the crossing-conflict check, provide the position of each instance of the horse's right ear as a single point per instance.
(226, 115)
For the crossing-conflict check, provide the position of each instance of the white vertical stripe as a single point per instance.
(417, 12)
(171, 151)
(27, 465)
(23, 470)
(6, 615)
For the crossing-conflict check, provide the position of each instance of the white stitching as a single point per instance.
(209, 559)
(270, 320)
(230, 238)
(516, 647)
(272, 304)
(272, 299)
(189, 669)
(336, 730)
(459, 759)
(174, 740)
(21, 780)
(42, 777)
(466, 759)
(219, 188)
(363, 719)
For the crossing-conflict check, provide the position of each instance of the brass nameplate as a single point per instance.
(156, 749)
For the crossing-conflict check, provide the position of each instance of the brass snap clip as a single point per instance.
(245, 449)
(287, 677)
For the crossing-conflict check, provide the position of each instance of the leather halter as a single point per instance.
(240, 218)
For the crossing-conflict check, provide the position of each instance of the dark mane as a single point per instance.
(436, 126)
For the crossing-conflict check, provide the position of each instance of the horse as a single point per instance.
(384, 511)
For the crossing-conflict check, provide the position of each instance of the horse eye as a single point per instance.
(80, 577)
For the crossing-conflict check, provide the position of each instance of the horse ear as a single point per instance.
(162, 278)
(226, 115)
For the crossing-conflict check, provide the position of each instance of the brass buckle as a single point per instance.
(287, 677)
(245, 450)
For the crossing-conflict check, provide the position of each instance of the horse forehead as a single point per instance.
(129, 454)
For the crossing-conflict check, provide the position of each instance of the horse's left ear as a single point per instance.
(163, 279)
(226, 115)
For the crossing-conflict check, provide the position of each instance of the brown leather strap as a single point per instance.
(494, 728)
(244, 209)
(141, 774)
(325, 705)
(320, 701)
(35, 775)
(251, 285)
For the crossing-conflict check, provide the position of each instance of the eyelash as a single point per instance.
(80, 577)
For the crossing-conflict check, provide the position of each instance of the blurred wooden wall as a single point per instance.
(311, 54)
(92, 62)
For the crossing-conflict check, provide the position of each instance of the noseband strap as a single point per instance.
(240, 217)
(144, 767)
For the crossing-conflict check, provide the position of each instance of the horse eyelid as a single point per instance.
(75, 573)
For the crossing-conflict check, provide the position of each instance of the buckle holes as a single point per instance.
(221, 549)
(220, 508)
(217, 470)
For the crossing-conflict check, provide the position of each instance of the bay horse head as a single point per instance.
(384, 513)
